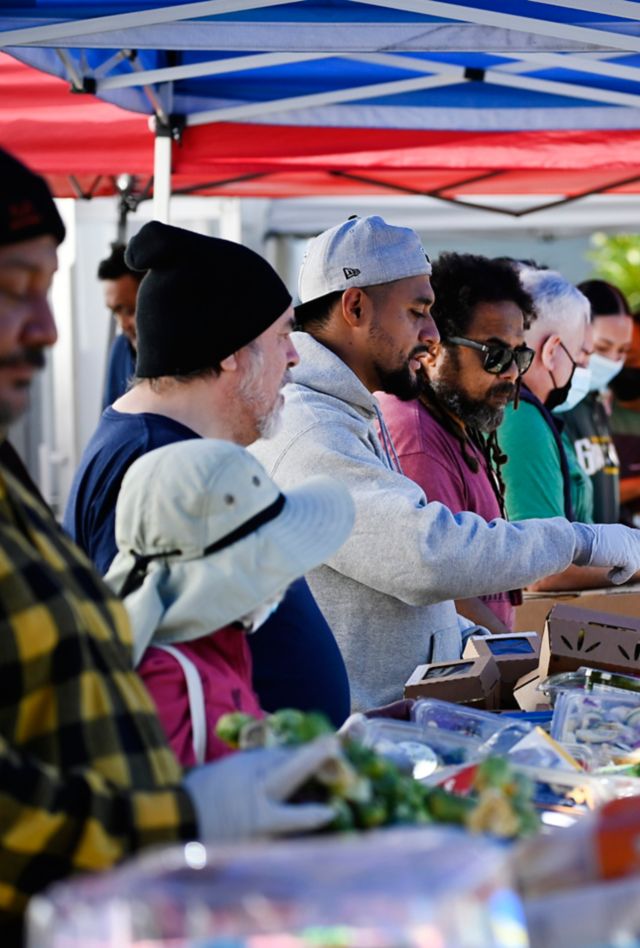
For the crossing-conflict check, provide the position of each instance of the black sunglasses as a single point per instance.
(498, 357)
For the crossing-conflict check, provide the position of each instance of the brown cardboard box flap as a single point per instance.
(526, 693)
(575, 636)
(621, 600)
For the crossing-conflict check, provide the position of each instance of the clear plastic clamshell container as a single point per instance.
(490, 733)
(406, 744)
(565, 681)
(608, 721)
(588, 679)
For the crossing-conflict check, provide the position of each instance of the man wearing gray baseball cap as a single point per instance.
(365, 301)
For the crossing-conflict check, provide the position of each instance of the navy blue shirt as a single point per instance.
(120, 370)
(296, 659)
(119, 439)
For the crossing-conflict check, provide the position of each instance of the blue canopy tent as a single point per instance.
(424, 85)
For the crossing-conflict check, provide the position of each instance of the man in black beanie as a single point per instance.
(86, 774)
(213, 327)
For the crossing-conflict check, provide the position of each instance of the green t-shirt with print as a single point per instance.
(533, 474)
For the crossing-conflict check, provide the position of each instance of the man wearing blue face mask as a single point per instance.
(586, 417)
(542, 476)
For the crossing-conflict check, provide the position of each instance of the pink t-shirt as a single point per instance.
(431, 457)
(223, 661)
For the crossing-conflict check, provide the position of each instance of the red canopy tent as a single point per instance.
(82, 144)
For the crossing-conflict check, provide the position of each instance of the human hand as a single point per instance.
(245, 794)
(608, 545)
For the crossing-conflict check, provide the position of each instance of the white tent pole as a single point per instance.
(611, 8)
(316, 99)
(212, 67)
(162, 175)
(29, 35)
(509, 21)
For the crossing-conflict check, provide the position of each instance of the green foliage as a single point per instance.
(616, 258)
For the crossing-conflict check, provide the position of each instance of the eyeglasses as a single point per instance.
(498, 357)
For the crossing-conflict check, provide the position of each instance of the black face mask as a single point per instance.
(558, 396)
(626, 385)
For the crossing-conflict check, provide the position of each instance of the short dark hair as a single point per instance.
(605, 298)
(113, 267)
(461, 281)
(316, 313)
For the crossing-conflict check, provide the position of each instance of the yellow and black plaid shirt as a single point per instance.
(86, 776)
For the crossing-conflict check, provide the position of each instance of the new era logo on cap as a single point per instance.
(384, 253)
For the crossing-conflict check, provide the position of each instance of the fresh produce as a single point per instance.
(366, 790)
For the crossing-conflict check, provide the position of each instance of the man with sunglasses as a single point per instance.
(365, 308)
(542, 475)
(446, 439)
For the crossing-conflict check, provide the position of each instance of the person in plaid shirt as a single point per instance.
(86, 776)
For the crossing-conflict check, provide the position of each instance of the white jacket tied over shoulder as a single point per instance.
(387, 592)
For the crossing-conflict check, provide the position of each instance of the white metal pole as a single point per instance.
(162, 176)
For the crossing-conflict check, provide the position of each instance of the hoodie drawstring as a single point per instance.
(387, 443)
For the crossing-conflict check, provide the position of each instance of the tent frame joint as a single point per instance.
(171, 126)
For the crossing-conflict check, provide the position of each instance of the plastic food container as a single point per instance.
(492, 733)
(566, 681)
(400, 888)
(606, 720)
(587, 679)
(402, 742)
(596, 679)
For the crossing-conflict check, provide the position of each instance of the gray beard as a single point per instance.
(473, 413)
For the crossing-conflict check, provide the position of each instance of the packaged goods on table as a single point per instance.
(400, 888)
(367, 789)
(607, 721)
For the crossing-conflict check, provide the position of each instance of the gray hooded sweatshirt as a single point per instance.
(387, 592)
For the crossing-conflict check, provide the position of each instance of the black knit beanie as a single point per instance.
(27, 209)
(202, 299)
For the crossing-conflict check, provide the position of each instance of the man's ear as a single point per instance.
(230, 364)
(354, 306)
(549, 352)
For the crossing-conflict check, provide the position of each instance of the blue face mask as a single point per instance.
(580, 383)
(602, 371)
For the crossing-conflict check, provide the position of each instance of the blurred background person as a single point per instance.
(120, 287)
(625, 426)
(587, 427)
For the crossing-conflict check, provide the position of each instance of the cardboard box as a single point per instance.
(532, 614)
(575, 636)
(515, 655)
(473, 681)
(526, 694)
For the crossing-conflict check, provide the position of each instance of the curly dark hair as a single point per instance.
(463, 280)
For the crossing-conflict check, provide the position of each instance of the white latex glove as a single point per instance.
(243, 795)
(608, 544)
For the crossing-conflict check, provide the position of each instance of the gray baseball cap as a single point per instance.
(363, 251)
